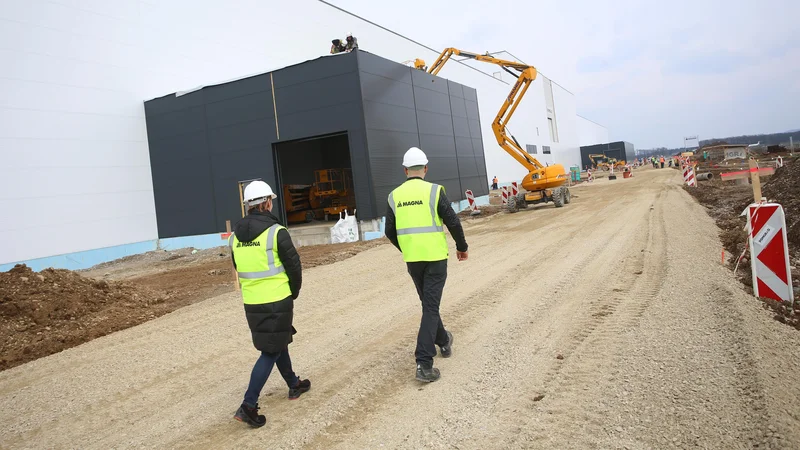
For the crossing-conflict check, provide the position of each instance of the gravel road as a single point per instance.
(609, 323)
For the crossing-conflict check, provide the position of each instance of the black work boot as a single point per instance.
(447, 349)
(250, 416)
(301, 387)
(427, 374)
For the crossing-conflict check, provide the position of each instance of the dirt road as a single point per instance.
(609, 323)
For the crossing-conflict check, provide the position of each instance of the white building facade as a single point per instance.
(74, 162)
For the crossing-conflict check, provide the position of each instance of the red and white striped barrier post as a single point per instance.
(589, 176)
(472, 205)
(505, 195)
(769, 252)
(779, 162)
(688, 176)
(514, 189)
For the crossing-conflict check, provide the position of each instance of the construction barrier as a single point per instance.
(504, 193)
(514, 189)
(779, 162)
(688, 176)
(471, 199)
(589, 176)
(769, 252)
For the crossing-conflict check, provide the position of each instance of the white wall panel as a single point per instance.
(590, 133)
(74, 75)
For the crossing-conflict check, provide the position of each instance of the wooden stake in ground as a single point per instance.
(756, 180)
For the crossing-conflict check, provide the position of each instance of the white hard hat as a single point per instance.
(257, 192)
(415, 157)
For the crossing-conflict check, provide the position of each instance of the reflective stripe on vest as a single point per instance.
(260, 286)
(420, 233)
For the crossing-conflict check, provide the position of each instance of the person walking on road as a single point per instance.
(270, 276)
(417, 210)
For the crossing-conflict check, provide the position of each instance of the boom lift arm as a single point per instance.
(525, 75)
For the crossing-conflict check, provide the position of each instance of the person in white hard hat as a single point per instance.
(417, 210)
(351, 43)
(270, 275)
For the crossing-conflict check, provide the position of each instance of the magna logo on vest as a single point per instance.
(248, 244)
(411, 203)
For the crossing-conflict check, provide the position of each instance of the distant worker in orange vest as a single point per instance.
(662, 162)
(494, 182)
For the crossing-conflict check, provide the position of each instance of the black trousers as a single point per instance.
(429, 278)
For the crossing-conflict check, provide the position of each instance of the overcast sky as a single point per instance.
(652, 72)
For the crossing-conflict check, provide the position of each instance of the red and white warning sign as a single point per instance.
(504, 192)
(514, 189)
(688, 176)
(769, 252)
(589, 176)
(471, 199)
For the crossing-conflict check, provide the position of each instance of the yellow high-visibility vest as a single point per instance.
(261, 273)
(419, 228)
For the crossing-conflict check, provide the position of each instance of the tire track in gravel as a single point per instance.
(566, 272)
(590, 348)
(395, 363)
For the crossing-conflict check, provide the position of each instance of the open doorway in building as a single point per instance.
(315, 179)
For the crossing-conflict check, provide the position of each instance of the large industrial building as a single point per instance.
(85, 88)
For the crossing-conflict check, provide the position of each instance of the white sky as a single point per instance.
(652, 72)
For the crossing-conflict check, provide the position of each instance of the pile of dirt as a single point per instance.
(726, 201)
(784, 187)
(486, 211)
(47, 312)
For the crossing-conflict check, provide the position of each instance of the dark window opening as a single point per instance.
(546, 149)
(315, 180)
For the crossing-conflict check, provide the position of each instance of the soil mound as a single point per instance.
(44, 313)
(784, 188)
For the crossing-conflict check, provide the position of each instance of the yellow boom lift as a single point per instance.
(542, 183)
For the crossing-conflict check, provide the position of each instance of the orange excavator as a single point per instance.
(542, 183)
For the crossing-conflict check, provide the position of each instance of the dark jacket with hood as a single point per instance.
(271, 323)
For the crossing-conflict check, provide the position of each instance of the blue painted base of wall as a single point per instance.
(90, 258)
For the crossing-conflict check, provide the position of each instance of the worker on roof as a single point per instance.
(351, 43)
(270, 275)
(337, 46)
(417, 210)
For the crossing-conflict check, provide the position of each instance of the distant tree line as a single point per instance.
(764, 140)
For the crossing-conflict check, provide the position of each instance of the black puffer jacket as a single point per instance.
(271, 323)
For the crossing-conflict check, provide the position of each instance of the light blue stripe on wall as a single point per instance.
(89, 258)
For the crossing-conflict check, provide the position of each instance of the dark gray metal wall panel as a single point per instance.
(461, 129)
(378, 89)
(442, 168)
(183, 201)
(177, 123)
(319, 122)
(244, 87)
(436, 124)
(362, 182)
(438, 146)
(319, 94)
(178, 148)
(432, 101)
(241, 136)
(456, 90)
(375, 65)
(391, 143)
(382, 116)
(428, 81)
(171, 103)
(246, 108)
(470, 94)
(315, 70)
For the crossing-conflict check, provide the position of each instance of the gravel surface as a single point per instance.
(605, 324)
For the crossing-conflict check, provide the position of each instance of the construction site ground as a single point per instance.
(609, 323)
